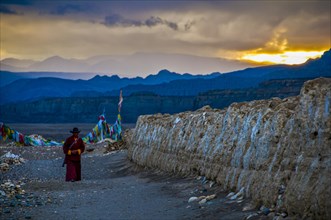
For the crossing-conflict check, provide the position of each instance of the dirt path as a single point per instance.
(112, 188)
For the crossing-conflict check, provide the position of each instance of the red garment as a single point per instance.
(72, 159)
(73, 171)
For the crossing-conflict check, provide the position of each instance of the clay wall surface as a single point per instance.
(262, 146)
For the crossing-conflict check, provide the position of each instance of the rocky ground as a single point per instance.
(33, 187)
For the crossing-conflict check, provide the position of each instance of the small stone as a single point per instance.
(271, 215)
(2, 193)
(266, 211)
(233, 197)
(193, 199)
(284, 214)
(203, 201)
(230, 194)
(210, 197)
(241, 198)
(251, 216)
(4, 167)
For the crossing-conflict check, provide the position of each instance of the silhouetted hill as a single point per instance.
(36, 88)
(9, 77)
(6, 76)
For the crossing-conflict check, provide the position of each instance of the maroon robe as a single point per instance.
(73, 159)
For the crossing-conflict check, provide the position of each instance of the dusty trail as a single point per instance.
(112, 188)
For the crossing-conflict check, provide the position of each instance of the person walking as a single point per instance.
(73, 148)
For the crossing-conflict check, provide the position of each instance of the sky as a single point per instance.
(273, 31)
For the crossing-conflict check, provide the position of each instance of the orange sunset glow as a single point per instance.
(289, 57)
(231, 35)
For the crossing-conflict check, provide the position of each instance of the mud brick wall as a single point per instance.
(260, 145)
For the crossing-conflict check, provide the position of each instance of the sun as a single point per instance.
(289, 57)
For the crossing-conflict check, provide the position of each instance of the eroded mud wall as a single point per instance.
(259, 145)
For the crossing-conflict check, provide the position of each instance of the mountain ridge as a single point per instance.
(57, 87)
(127, 65)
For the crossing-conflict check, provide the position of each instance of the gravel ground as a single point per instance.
(111, 188)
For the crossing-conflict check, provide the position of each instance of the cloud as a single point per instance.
(153, 21)
(201, 28)
(118, 20)
(6, 10)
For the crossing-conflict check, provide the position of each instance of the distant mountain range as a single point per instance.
(87, 109)
(141, 64)
(18, 88)
(165, 83)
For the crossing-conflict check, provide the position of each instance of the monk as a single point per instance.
(73, 148)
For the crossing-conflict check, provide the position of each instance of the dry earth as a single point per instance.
(112, 188)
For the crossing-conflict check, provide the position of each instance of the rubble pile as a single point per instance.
(12, 195)
(9, 159)
(120, 144)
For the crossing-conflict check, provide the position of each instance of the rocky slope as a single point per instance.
(276, 151)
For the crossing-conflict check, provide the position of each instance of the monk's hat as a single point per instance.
(75, 130)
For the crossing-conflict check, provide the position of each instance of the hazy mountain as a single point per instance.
(17, 62)
(59, 64)
(131, 65)
(7, 67)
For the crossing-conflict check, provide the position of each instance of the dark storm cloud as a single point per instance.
(153, 21)
(118, 20)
